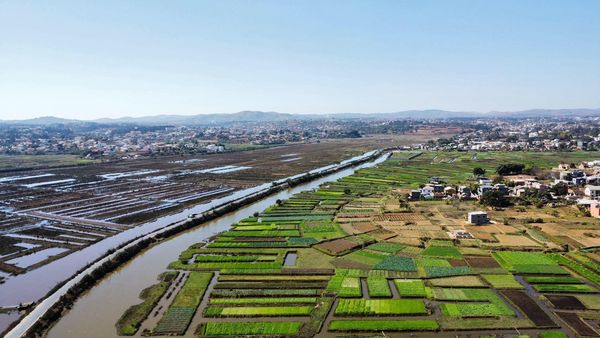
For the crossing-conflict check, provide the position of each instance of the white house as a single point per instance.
(592, 191)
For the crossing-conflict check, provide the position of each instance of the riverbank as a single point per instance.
(48, 310)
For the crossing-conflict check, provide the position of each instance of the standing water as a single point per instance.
(102, 306)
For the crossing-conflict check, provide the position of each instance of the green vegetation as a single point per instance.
(410, 287)
(243, 311)
(577, 267)
(346, 232)
(552, 280)
(470, 310)
(366, 307)
(264, 300)
(383, 325)
(442, 251)
(131, 320)
(591, 302)
(11, 162)
(251, 328)
(573, 288)
(180, 312)
(391, 248)
(553, 334)
(528, 262)
(502, 281)
(396, 263)
(378, 287)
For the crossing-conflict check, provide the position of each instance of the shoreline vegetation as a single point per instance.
(127, 251)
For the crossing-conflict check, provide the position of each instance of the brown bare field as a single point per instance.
(565, 302)
(529, 307)
(481, 262)
(337, 246)
(577, 324)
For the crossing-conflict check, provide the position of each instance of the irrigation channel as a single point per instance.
(95, 313)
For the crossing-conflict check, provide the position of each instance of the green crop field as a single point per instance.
(180, 312)
(244, 311)
(378, 287)
(386, 247)
(378, 262)
(251, 328)
(264, 300)
(365, 307)
(442, 251)
(528, 262)
(502, 281)
(571, 288)
(396, 263)
(410, 287)
(552, 280)
(472, 310)
(384, 325)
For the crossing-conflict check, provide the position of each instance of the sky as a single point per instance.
(93, 59)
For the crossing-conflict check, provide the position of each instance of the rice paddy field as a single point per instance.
(355, 259)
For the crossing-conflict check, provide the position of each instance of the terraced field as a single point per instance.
(368, 261)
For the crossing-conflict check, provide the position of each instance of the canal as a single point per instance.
(95, 313)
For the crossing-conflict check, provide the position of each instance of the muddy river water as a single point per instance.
(95, 313)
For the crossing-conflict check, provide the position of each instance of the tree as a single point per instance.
(560, 189)
(510, 169)
(478, 171)
(347, 191)
(494, 198)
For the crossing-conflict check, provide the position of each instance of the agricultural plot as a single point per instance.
(362, 259)
(396, 263)
(378, 287)
(528, 263)
(216, 329)
(262, 311)
(502, 281)
(380, 307)
(442, 251)
(180, 312)
(383, 325)
(410, 287)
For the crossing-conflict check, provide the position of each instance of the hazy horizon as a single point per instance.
(117, 59)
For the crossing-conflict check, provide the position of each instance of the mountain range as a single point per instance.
(260, 116)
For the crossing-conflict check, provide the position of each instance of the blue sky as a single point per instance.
(90, 59)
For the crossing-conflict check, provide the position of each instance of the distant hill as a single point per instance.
(260, 116)
(204, 119)
(41, 121)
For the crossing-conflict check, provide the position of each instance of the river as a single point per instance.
(103, 305)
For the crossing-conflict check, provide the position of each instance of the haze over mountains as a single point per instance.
(260, 116)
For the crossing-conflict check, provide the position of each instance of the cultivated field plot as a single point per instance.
(366, 262)
(71, 204)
